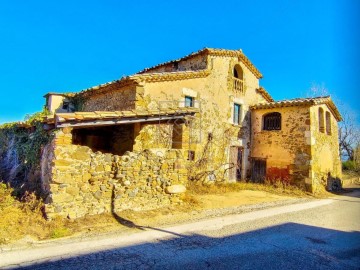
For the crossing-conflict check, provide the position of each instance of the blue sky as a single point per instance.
(66, 46)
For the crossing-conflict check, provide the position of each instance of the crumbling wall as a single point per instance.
(114, 100)
(197, 62)
(287, 151)
(21, 146)
(82, 182)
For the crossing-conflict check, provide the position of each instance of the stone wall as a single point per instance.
(114, 100)
(80, 181)
(215, 96)
(287, 151)
(326, 163)
(193, 63)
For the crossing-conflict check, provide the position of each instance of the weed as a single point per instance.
(276, 187)
(59, 232)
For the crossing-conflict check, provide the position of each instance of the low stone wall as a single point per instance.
(82, 182)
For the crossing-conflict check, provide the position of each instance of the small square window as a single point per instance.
(189, 101)
(237, 114)
(65, 106)
(191, 155)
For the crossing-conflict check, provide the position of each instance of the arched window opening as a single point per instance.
(272, 121)
(238, 72)
(328, 123)
(321, 120)
(238, 79)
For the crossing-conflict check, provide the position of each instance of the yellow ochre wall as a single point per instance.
(287, 151)
(326, 163)
(214, 96)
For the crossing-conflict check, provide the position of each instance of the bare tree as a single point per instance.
(349, 135)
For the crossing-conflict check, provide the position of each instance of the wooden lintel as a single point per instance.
(96, 123)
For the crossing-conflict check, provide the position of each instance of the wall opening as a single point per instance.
(328, 123)
(237, 114)
(236, 159)
(238, 72)
(109, 139)
(321, 120)
(272, 121)
(177, 135)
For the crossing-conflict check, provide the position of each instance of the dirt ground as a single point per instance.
(195, 208)
(244, 197)
(199, 203)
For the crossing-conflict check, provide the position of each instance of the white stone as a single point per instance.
(127, 183)
(189, 92)
(310, 141)
(175, 189)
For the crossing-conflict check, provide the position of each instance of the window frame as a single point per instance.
(328, 122)
(237, 116)
(321, 121)
(191, 99)
(272, 121)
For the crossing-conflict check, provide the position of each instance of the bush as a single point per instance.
(349, 165)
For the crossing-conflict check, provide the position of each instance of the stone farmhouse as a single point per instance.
(134, 143)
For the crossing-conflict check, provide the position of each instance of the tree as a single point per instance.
(349, 136)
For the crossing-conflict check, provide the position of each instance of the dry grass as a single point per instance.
(20, 218)
(220, 188)
(25, 217)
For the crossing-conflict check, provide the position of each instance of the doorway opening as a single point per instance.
(236, 158)
(258, 170)
(107, 139)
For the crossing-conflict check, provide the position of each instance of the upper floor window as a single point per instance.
(238, 72)
(237, 114)
(272, 121)
(238, 83)
(189, 101)
(328, 123)
(321, 120)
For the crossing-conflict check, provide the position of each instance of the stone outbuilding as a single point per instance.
(296, 141)
(136, 142)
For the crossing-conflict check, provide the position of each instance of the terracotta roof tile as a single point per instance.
(82, 117)
(301, 102)
(142, 76)
(265, 94)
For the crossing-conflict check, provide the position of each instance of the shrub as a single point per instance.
(349, 165)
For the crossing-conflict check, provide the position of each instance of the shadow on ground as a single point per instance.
(286, 246)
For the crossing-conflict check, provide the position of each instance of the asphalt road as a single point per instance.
(321, 235)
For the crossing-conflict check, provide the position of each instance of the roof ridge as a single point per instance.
(214, 51)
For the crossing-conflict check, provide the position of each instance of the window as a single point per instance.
(189, 101)
(272, 121)
(191, 155)
(328, 123)
(237, 114)
(65, 106)
(321, 120)
(238, 72)
(238, 83)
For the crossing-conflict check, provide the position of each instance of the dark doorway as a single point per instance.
(236, 157)
(258, 171)
(108, 139)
